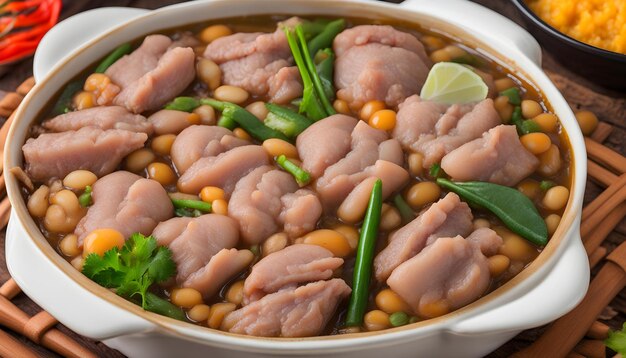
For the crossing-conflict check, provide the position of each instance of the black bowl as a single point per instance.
(600, 66)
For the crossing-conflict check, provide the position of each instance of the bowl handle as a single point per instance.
(557, 293)
(71, 33)
(496, 30)
(72, 304)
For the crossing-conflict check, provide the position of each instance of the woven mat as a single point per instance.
(578, 334)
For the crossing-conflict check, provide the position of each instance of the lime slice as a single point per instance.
(450, 83)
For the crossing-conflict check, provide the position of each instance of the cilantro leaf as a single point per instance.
(133, 269)
(617, 340)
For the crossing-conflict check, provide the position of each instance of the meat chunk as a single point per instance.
(447, 217)
(289, 267)
(450, 273)
(376, 62)
(222, 267)
(153, 74)
(254, 62)
(257, 204)
(108, 117)
(486, 240)
(335, 129)
(194, 241)
(293, 312)
(286, 85)
(223, 170)
(498, 157)
(54, 155)
(197, 142)
(127, 203)
(435, 129)
(300, 212)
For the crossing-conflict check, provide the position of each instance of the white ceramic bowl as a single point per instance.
(552, 285)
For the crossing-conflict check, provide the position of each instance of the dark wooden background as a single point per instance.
(610, 107)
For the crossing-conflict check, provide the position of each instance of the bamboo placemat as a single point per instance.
(577, 334)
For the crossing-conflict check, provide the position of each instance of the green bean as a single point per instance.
(302, 176)
(185, 212)
(285, 120)
(325, 38)
(185, 104)
(313, 28)
(546, 184)
(405, 210)
(398, 319)
(113, 57)
(64, 102)
(515, 210)
(191, 204)
(246, 120)
(227, 122)
(364, 258)
(435, 170)
(529, 126)
(513, 95)
(158, 305)
(85, 199)
(325, 70)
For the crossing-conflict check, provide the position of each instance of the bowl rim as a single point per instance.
(556, 245)
(527, 13)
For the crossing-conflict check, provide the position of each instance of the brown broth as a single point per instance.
(267, 24)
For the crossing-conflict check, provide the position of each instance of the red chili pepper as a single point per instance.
(15, 6)
(39, 15)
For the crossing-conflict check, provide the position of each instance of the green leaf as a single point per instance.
(162, 267)
(617, 340)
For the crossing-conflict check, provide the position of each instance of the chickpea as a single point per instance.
(556, 197)
(139, 160)
(350, 233)
(330, 240)
(549, 161)
(514, 247)
(162, 173)
(536, 143)
(440, 55)
(67, 200)
(274, 243)
(38, 202)
(209, 194)
(206, 113)
(369, 108)
(422, 193)
(100, 241)
(84, 100)
(455, 51)
(530, 188)
(276, 147)
(258, 109)
(186, 297)
(242, 134)
(552, 222)
(199, 313)
(481, 223)
(376, 320)
(79, 179)
(77, 262)
(433, 42)
(390, 218)
(389, 302)
(498, 264)
(434, 309)
(218, 312)
(503, 83)
(214, 32)
(547, 122)
(531, 109)
(231, 94)
(209, 73)
(69, 245)
(96, 83)
(220, 207)
(235, 293)
(587, 121)
(385, 119)
(416, 164)
(504, 108)
(163, 144)
(341, 106)
(194, 119)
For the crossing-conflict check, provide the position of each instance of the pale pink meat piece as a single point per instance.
(54, 155)
(104, 117)
(253, 61)
(127, 203)
(447, 217)
(153, 74)
(194, 241)
(498, 157)
(257, 204)
(378, 62)
(335, 129)
(223, 170)
(289, 267)
(293, 312)
(300, 212)
(222, 267)
(435, 129)
(485, 239)
(286, 85)
(452, 270)
(197, 142)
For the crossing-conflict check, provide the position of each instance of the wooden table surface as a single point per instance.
(610, 107)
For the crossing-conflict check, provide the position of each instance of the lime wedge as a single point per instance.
(450, 83)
